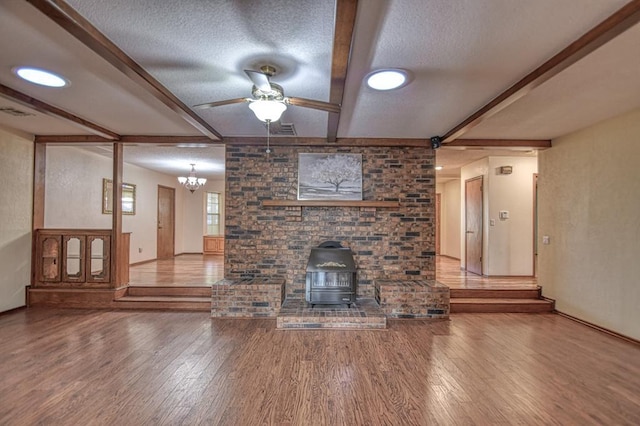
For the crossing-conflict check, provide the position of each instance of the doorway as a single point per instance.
(438, 228)
(473, 225)
(166, 222)
(535, 225)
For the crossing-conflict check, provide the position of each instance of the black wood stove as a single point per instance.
(331, 275)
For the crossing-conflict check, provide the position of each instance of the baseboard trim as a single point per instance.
(601, 329)
(13, 310)
(508, 276)
(498, 276)
(143, 262)
(448, 257)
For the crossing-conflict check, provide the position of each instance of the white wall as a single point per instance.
(194, 225)
(511, 240)
(73, 198)
(449, 218)
(589, 206)
(143, 225)
(507, 245)
(73, 189)
(16, 194)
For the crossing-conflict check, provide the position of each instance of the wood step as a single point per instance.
(364, 314)
(495, 293)
(494, 305)
(169, 303)
(169, 291)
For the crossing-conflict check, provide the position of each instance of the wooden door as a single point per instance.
(535, 224)
(473, 225)
(166, 222)
(438, 228)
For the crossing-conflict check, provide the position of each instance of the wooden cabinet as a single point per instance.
(77, 258)
(213, 245)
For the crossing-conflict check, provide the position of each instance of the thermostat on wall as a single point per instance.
(505, 170)
(504, 214)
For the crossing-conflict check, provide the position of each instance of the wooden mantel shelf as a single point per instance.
(329, 203)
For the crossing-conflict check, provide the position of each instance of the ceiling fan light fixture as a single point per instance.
(268, 110)
(40, 77)
(386, 79)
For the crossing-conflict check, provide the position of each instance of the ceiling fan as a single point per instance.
(268, 101)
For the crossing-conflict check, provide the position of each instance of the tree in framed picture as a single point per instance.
(329, 176)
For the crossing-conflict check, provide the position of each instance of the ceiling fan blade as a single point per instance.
(310, 103)
(220, 103)
(259, 79)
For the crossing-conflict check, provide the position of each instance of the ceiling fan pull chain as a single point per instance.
(268, 134)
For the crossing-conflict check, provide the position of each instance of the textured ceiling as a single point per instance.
(460, 54)
(200, 49)
(171, 160)
(97, 93)
(603, 85)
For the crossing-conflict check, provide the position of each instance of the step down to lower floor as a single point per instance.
(169, 291)
(496, 293)
(486, 305)
(364, 314)
(174, 303)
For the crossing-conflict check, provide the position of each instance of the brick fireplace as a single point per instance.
(395, 243)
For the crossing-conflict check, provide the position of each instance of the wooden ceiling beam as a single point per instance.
(71, 21)
(602, 33)
(342, 43)
(128, 139)
(70, 139)
(502, 143)
(55, 112)
(357, 142)
(288, 141)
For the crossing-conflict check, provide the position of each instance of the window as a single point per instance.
(213, 213)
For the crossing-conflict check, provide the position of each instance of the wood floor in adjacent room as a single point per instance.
(196, 270)
(82, 367)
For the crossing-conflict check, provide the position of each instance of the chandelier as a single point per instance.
(192, 182)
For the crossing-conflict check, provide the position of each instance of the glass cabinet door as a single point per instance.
(73, 252)
(49, 259)
(98, 255)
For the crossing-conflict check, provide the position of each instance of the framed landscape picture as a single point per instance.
(329, 176)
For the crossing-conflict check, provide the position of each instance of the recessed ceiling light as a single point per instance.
(386, 79)
(438, 167)
(40, 76)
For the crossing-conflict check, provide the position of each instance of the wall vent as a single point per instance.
(15, 112)
(282, 129)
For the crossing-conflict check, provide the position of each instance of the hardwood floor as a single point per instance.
(186, 270)
(196, 270)
(449, 273)
(80, 367)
